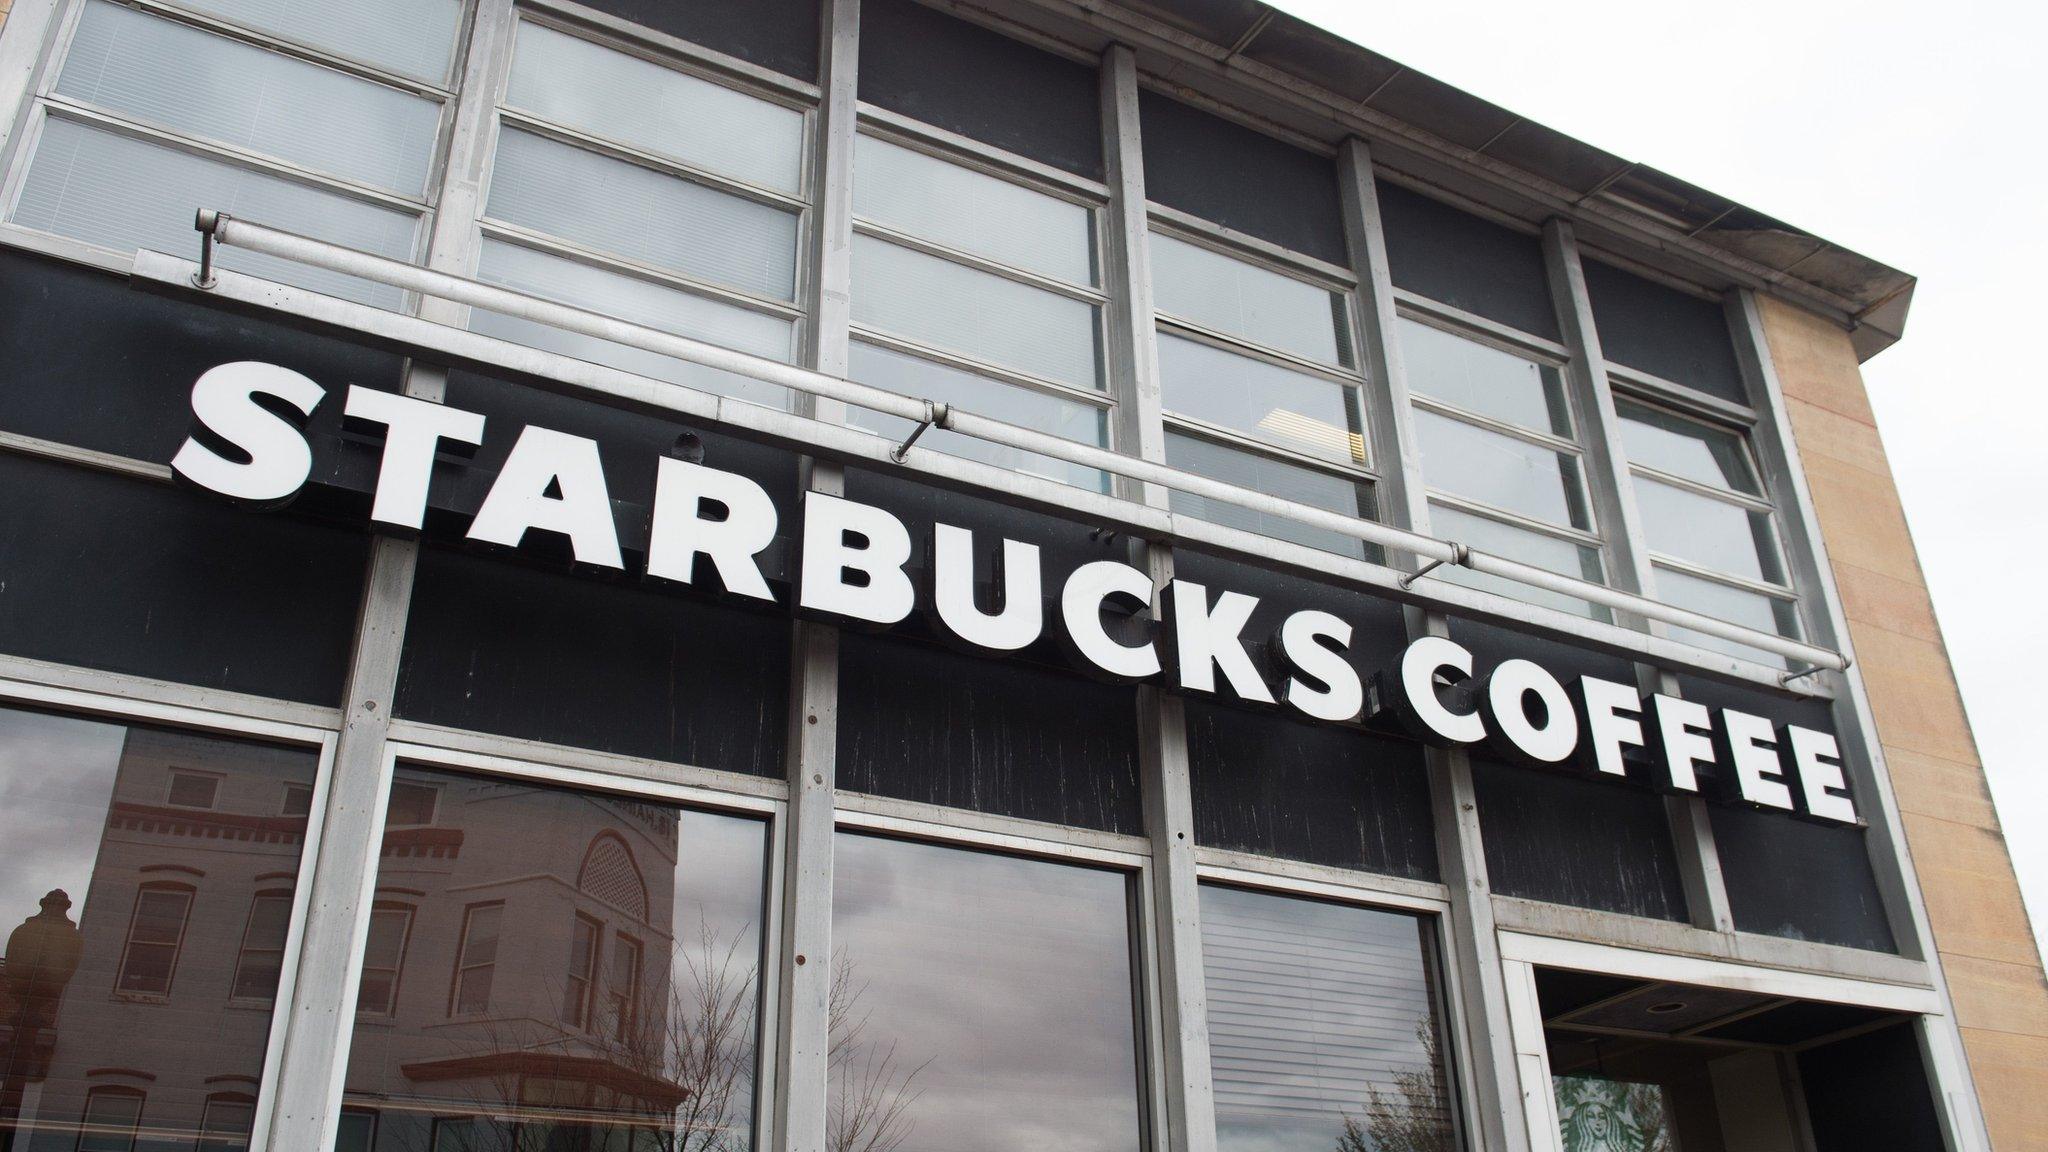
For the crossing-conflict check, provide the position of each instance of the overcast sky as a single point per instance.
(1906, 131)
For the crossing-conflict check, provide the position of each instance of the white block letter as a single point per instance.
(1081, 611)
(1342, 696)
(224, 404)
(1417, 702)
(1206, 639)
(1613, 718)
(1507, 690)
(1818, 760)
(1753, 752)
(1684, 739)
(413, 431)
(842, 537)
(541, 460)
(1017, 583)
(681, 532)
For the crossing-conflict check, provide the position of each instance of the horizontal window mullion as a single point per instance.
(979, 263)
(950, 359)
(1761, 588)
(1515, 431)
(953, 148)
(670, 52)
(1458, 322)
(68, 109)
(663, 165)
(1515, 520)
(1335, 374)
(1635, 384)
(1239, 245)
(293, 48)
(1725, 495)
(1238, 440)
(666, 277)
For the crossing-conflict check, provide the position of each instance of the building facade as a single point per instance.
(858, 575)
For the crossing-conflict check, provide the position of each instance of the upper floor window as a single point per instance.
(383, 958)
(979, 290)
(111, 1121)
(1500, 458)
(262, 958)
(156, 934)
(1260, 387)
(298, 115)
(476, 961)
(640, 189)
(1708, 524)
(192, 789)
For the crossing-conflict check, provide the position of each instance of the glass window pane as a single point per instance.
(1483, 379)
(1238, 297)
(1274, 477)
(935, 301)
(413, 38)
(644, 215)
(1682, 447)
(1514, 543)
(1323, 1030)
(1500, 471)
(93, 918)
(979, 1001)
(636, 102)
(1734, 605)
(1040, 411)
(1284, 408)
(126, 194)
(686, 887)
(181, 78)
(1711, 533)
(960, 208)
(640, 301)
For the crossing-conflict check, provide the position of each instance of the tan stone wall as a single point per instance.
(1973, 900)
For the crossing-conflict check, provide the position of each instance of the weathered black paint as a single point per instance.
(1870, 1092)
(1457, 258)
(1226, 173)
(1664, 332)
(779, 34)
(128, 576)
(981, 84)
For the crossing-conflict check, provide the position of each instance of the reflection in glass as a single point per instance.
(1262, 473)
(562, 970)
(1288, 409)
(979, 1002)
(958, 207)
(914, 376)
(144, 939)
(1685, 448)
(1323, 1029)
(1595, 1114)
(413, 38)
(1244, 300)
(1483, 379)
(1522, 544)
(1725, 602)
(1709, 532)
(1500, 471)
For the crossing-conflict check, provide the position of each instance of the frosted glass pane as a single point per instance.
(184, 79)
(1734, 605)
(643, 215)
(592, 88)
(1243, 299)
(1711, 533)
(1681, 447)
(974, 212)
(1483, 379)
(1038, 411)
(951, 306)
(1275, 478)
(1288, 409)
(1500, 471)
(125, 194)
(1510, 542)
(642, 302)
(413, 38)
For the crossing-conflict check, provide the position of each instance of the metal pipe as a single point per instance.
(320, 254)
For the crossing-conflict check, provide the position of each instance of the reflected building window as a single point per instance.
(980, 1001)
(602, 957)
(1324, 1026)
(148, 884)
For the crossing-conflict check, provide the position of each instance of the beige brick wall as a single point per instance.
(1973, 900)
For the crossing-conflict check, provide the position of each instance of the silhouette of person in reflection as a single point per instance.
(42, 956)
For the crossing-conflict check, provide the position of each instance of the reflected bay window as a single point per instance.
(1710, 529)
(476, 963)
(155, 936)
(977, 291)
(272, 112)
(1325, 1026)
(383, 958)
(646, 191)
(1501, 459)
(262, 958)
(1260, 388)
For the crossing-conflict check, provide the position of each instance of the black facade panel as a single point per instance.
(1565, 838)
(1274, 785)
(94, 363)
(1787, 877)
(782, 35)
(1456, 258)
(1663, 331)
(505, 647)
(920, 722)
(128, 576)
(1228, 174)
(981, 84)
(1870, 1092)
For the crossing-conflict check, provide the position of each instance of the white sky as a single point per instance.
(1909, 132)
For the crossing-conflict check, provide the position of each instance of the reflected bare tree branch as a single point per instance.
(1415, 1117)
(871, 1092)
